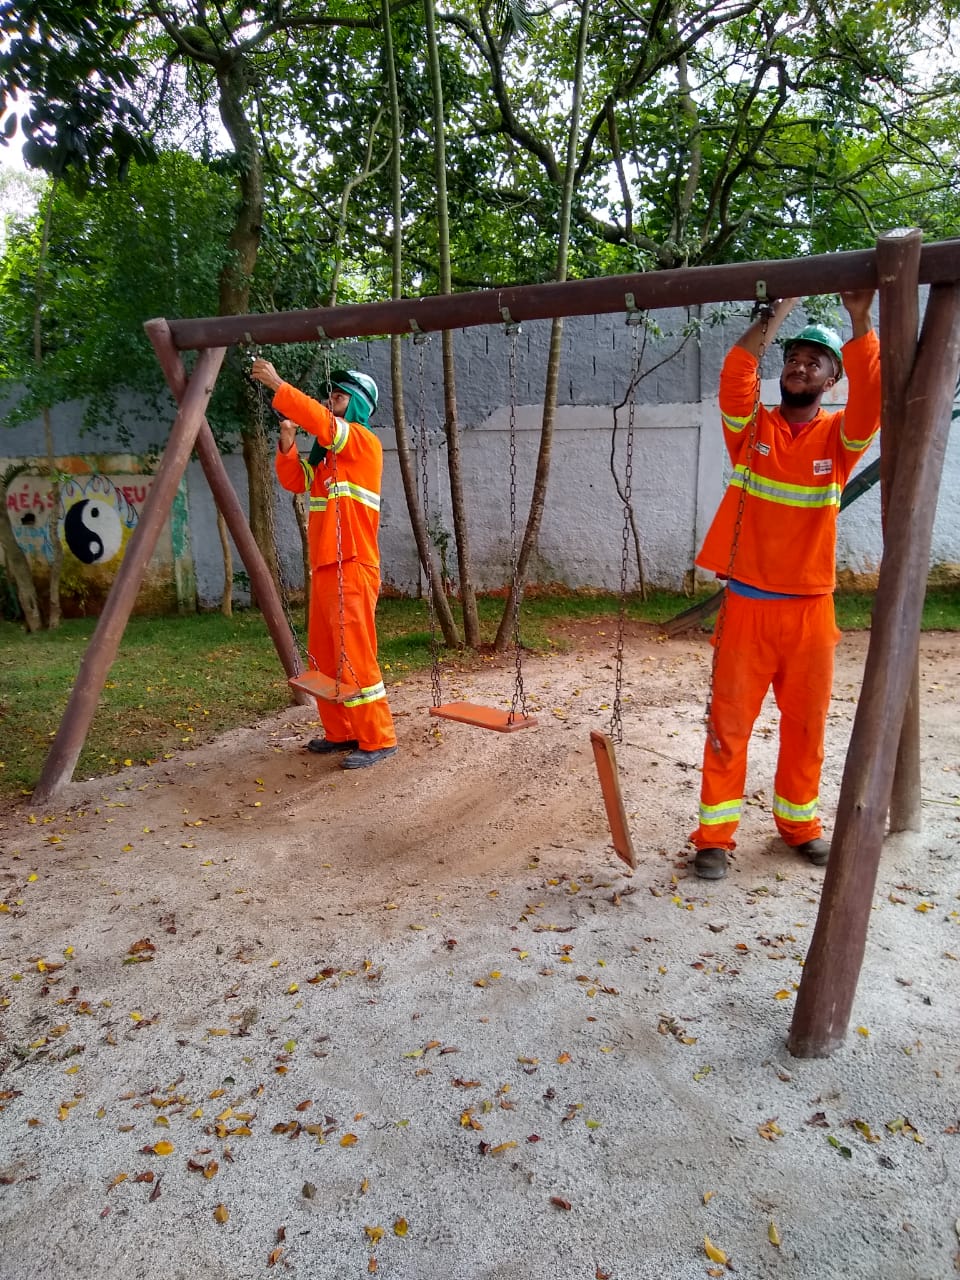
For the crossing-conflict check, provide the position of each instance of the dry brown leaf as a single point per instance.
(221, 1213)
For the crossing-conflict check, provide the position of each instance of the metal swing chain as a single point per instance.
(616, 715)
(519, 697)
(764, 308)
(420, 340)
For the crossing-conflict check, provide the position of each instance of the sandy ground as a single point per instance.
(263, 1016)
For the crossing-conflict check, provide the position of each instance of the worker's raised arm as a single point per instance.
(763, 331)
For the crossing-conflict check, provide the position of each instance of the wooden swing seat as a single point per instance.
(606, 761)
(483, 717)
(327, 688)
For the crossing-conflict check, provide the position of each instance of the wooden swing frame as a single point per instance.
(919, 369)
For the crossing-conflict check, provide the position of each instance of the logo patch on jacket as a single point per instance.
(822, 466)
(763, 448)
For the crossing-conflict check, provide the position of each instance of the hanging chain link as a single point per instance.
(765, 312)
(634, 319)
(519, 697)
(420, 340)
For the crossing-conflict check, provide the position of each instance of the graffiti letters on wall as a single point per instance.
(98, 510)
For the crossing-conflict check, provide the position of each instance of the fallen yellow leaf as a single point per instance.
(221, 1213)
(349, 1140)
(400, 1227)
(712, 1252)
(374, 1234)
(773, 1235)
(163, 1148)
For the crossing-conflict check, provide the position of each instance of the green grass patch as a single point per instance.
(181, 681)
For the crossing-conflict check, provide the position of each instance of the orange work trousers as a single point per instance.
(790, 645)
(351, 651)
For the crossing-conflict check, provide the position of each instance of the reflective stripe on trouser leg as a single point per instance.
(367, 717)
(802, 687)
(744, 669)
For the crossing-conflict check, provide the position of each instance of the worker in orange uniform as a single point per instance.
(774, 541)
(343, 478)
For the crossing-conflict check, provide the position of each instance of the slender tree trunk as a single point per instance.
(471, 622)
(505, 631)
(14, 560)
(243, 246)
(53, 472)
(302, 515)
(406, 462)
(226, 597)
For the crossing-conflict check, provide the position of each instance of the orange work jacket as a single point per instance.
(348, 481)
(791, 484)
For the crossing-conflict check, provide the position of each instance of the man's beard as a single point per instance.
(798, 399)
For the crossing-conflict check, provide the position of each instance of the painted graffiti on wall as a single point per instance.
(98, 515)
(100, 504)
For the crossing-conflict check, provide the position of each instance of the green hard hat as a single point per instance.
(357, 384)
(821, 336)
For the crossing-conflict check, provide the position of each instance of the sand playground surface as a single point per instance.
(261, 1016)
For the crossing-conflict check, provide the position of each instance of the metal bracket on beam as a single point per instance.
(326, 343)
(763, 304)
(419, 337)
(634, 314)
(510, 326)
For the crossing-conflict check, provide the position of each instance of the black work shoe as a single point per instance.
(710, 864)
(818, 851)
(327, 747)
(360, 759)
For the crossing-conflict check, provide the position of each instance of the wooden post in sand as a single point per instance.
(833, 964)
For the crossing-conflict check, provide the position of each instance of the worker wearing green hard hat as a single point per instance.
(817, 335)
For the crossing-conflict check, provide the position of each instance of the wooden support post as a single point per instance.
(898, 265)
(105, 641)
(225, 496)
(833, 964)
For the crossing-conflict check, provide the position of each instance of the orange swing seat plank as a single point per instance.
(483, 717)
(606, 762)
(327, 688)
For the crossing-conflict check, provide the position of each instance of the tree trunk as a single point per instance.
(14, 560)
(243, 246)
(538, 497)
(468, 599)
(226, 597)
(302, 514)
(56, 549)
(441, 605)
(53, 515)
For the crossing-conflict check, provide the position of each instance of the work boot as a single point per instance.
(818, 851)
(361, 759)
(327, 747)
(710, 864)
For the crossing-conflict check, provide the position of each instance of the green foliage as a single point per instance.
(119, 255)
(69, 64)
